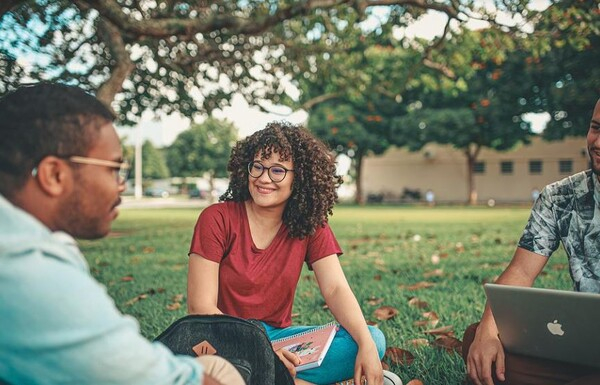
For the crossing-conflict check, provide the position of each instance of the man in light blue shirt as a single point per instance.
(61, 174)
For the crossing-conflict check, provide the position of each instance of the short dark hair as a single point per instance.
(45, 119)
(314, 191)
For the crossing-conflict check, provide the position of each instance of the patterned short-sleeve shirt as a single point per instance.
(568, 211)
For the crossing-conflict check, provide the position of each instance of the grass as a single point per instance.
(144, 265)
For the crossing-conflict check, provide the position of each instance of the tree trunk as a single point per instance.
(472, 199)
(472, 155)
(359, 199)
(211, 187)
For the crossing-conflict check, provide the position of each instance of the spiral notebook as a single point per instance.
(311, 346)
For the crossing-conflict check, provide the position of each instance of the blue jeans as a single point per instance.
(338, 364)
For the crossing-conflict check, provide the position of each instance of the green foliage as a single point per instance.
(192, 57)
(202, 148)
(154, 165)
(386, 249)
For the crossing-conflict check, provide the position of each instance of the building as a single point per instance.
(505, 177)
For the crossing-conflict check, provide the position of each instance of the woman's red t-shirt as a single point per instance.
(256, 283)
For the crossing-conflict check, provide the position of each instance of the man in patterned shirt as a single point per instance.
(564, 212)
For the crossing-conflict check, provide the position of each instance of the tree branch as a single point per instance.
(309, 104)
(111, 10)
(7, 5)
(123, 64)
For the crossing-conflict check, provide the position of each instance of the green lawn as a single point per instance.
(143, 264)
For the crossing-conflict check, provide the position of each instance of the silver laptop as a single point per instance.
(553, 324)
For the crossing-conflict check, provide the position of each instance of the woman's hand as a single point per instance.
(368, 366)
(289, 359)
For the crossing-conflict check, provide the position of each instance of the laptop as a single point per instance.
(553, 324)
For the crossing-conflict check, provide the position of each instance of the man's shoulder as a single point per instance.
(576, 184)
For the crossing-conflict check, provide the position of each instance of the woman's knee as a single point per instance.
(379, 340)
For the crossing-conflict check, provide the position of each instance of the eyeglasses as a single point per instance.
(276, 173)
(121, 168)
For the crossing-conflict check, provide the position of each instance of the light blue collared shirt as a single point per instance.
(59, 326)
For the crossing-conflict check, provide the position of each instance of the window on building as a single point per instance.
(479, 167)
(506, 167)
(535, 166)
(565, 166)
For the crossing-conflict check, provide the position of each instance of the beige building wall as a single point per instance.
(443, 169)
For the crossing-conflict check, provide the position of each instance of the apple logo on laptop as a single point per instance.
(555, 328)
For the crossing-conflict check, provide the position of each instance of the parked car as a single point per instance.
(156, 192)
(197, 193)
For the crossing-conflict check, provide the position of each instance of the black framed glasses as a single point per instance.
(275, 173)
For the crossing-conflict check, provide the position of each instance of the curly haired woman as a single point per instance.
(247, 252)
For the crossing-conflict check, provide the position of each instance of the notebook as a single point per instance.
(552, 324)
(311, 346)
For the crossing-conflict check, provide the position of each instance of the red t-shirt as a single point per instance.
(256, 283)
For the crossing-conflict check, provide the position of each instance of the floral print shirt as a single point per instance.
(568, 211)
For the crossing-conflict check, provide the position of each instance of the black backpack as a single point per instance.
(243, 343)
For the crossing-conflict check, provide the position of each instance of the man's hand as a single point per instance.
(290, 360)
(485, 350)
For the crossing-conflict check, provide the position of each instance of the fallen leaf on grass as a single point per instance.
(178, 298)
(373, 301)
(418, 285)
(419, 342)
(136, 299)
(399, 356)
(127, 278)
(325, 307)
(432, 319)
(449, 344)
(559, 266)
(431, 315)
(377, 277)
(294, 315)
(384, 313)
(384, 365)
(415, 382)
(426, 322)
(416, 302)
(148, 250)
(459, 247)
(372, 323)
(433, 273)
(435, 259)
(173, 306)
(442, 330)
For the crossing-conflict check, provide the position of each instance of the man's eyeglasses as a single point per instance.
(121, 168)
(276, 173)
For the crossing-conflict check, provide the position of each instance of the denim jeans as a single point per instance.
(338, 364)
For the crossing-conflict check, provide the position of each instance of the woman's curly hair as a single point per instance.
(314, 190)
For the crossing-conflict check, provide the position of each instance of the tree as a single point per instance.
(353, 130)
(203, 148)
(192, 57)
(154, 165)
